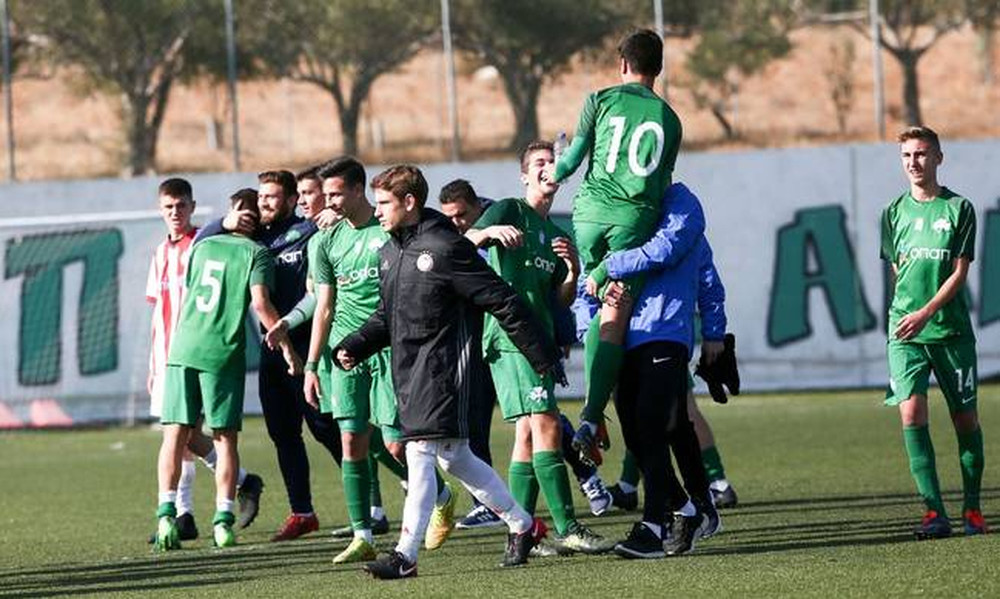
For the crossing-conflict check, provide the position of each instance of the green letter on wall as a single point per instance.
(41, 260)
(818, 232)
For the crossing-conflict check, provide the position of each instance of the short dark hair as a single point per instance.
(176, 187)
(283, 178)
(925, 133)
(643, 51)
(402, 180)
(347, 168)
(310, 173)
(246, 198)
(538, 144)
(458, 190)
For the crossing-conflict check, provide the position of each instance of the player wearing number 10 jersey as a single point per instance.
(206, 368)
(632, 136)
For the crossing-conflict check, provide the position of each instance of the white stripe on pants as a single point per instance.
(475, 475)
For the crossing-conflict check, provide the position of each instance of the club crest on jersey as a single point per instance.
(375, 244)
(941, 225)
(541, 237)
(292, 235)
(537, 395)
(425, 262)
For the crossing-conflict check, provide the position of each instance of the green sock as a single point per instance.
(224, 518)
(630, 470)
(357, 484)
(377, 449)
(920, 450)
(606, 362)
(590, 341)
(167, 508)
(523, 485)
(970, 455)
(550, 469)
(374, 488)
(713, 464)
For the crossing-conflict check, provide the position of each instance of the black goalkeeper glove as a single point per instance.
(722, 372)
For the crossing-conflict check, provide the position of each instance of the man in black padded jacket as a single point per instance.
(435, 288)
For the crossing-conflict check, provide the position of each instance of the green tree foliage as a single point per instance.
(737, 40)
(135, 50)
(341, 46)
(530, 42)
(909, 28)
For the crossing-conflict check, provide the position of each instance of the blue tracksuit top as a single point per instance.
(680, 278)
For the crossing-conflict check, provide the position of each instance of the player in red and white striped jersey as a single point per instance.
(165, 291)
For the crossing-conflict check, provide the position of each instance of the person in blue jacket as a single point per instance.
(652, 392)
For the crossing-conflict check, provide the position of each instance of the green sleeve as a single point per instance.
(888, 252)
(262, 269)
(583, 141)
(964, 241)
(322, 266)
(503, 212)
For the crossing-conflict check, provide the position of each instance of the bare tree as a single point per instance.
(840, 77)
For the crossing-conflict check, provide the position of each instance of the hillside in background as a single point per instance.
(63, 132)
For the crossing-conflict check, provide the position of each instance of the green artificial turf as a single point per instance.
(826, 509)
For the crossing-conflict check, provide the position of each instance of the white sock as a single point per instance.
(421, 488)
(167, 497)
(656, 528)
(626, 487)
(185, 488)
(210, 459)
(688, 510)
(366, 534)
(240, 477)
(224, 504)
(719, 485)
(483, 482)
(377, 512)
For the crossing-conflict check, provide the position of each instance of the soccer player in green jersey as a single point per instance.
(632, 136)
(928, 237)
(206, 368)
(536, 258)
(345, 267)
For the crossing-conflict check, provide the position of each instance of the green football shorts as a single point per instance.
(594, 241)
(188, 392)
(520, 390)
(953, 365)
(361, 395)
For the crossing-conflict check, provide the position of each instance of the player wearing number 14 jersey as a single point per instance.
(632, 136)
(928, 237)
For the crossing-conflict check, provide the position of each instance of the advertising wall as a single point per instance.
(795, 234)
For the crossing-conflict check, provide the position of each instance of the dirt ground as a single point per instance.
(63, 131)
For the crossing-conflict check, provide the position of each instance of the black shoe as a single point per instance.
(518, 548)
(712, 523)
(248, 496)
(684, 534)
(642, 543)
(380, 526)
(391, 566)
(187, 530)
(622, 500)
(724, 499)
